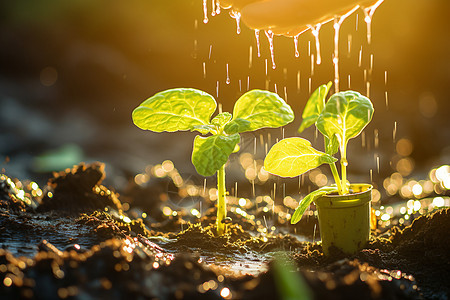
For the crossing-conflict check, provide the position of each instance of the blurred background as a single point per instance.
(71, 72)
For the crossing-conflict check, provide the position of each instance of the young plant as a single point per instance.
(343, 117)
(190, 109)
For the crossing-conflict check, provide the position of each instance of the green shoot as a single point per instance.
(190, 109)
(341, 118)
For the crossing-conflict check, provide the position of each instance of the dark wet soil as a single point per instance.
(76, 239)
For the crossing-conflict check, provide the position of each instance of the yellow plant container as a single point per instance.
(344, 220)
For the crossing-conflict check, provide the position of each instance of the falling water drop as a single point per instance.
(385, 77)
(309, 85)
(213, 8)
(349, 85)
(376, 138)
(349, 44)
(269, 35)
(250, 57)
(386, 99)
(217, 89)
(204, 187)
(378, 164)
(228, 76)
(297, 54)
(315, 32)
(257, 42)
(217, 7)
(204, 69)
(240, 85)
(210, 51)
(298, 81)
(337, 26)
(276, 90)
(368, 15)
(312, 64)
(237, 16)
(205, 12)
(360, 57)
(285, 94)
(394, 132)
(248, 83)
(265, 61)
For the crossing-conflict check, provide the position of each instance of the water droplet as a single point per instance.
(257, 42)
(250, 57)
(237, 16)
(269, 35)
(228, 76)
(315, 32)
(205, 12)
(368, 15)
(204, 70)
(297, 54)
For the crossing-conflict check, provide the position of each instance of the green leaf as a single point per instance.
(212, 152)
(204, 129)
(175, 109)
(291, 157)
(304, 204)
(345, 115)
(314, 106)
(237, 125)
(221, 119)
(331, 145)
(262, 109)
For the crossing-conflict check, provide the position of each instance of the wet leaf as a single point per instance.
(221, 119)
(304, 204)
(212, 152)
(237, 125)
(294, 156)
(175, 109)
(204, 129)
(314, 106)
(345, 115)
(261, 109)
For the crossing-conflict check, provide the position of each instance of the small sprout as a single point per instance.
(190, 109)
(340, 119)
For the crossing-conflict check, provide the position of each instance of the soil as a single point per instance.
(77, 239)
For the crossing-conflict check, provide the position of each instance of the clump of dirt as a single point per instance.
(10, 198)
(79, 190)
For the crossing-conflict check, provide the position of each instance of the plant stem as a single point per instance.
(221, 204)
(344, 164)
(336, 178)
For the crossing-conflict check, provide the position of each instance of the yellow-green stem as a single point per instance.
(221, 203)
(335, 173)
(344, 164)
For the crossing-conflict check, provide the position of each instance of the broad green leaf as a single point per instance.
(221, 119)
(331, 145)
(212, 152)
(291, 157)
(175, 109)
(303, 205)
(345, 115)
(314, 106)
(204, 129)
(237, 125)
(262, 109)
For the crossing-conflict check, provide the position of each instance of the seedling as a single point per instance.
(343, 117)
(190, 109)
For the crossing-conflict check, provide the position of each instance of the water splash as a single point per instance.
(237, 16)
(257, 42)
(205, 12)
(269, 35)
(315, 32)
(368, 15)
(337, 26)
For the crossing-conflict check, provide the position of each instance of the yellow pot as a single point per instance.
(344, 220)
